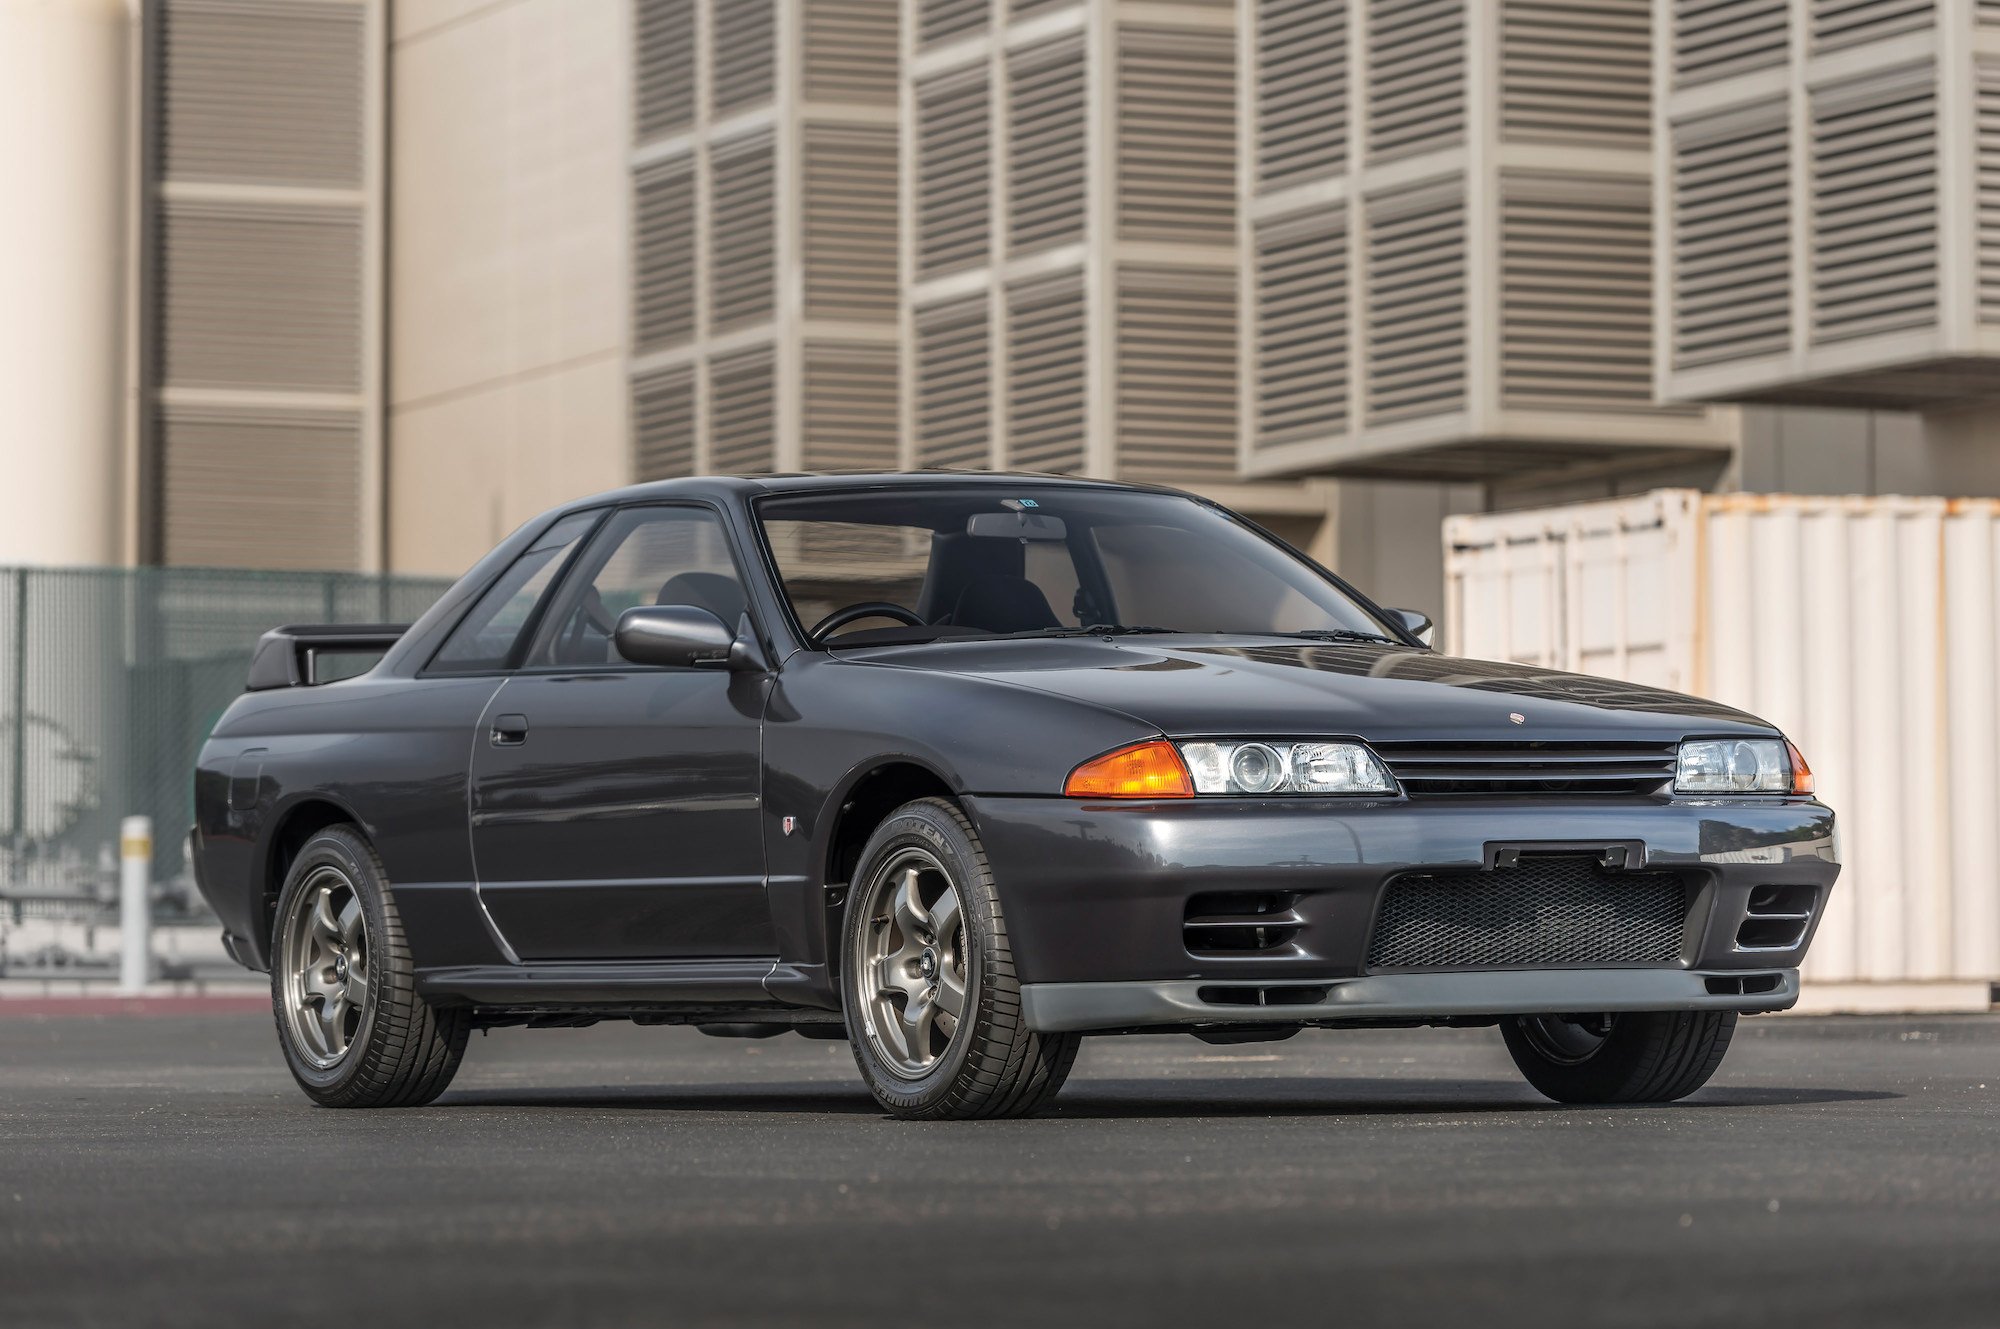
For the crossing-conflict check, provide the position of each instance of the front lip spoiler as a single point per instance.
(1082, 1007)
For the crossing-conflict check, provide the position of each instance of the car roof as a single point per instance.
(746, 487)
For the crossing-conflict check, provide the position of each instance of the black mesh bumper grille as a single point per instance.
(1546, 912)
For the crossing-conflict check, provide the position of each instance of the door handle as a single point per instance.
(509, 731)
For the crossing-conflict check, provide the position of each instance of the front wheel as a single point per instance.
(933, 1006)
(1636, 1057)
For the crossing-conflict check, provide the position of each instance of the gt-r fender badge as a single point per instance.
(1515, 716)
(791, 824)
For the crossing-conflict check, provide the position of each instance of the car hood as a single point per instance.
(1186, 685)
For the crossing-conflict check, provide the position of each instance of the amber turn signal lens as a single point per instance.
(1144, 770)
(1802, 776)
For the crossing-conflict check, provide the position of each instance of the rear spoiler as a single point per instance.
(289, 657)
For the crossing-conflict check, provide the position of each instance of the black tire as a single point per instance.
(1644, 1057)
(400, 1052)
(993, 1065)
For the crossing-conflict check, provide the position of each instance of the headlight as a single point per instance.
(1740, 766)
(1285, 768)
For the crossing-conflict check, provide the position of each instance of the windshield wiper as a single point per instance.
(1338, 634)
(1095, 630)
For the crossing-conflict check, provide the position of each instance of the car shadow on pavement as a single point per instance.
(1103, 1099)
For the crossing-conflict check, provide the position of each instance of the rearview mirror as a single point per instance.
(1417, 623)
(1016, 526)
(678, 636)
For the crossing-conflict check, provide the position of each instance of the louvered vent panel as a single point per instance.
(1177, 396)
(1416, 90)
(663, 424)
(1416, 303)
(850, 407)
(1045, 159)
(1874, 202)
(1838, 23)
(1719, 38)
(942, 20)
(742, 274)
(1732, 281)
(1020, 9)
(1576, 285)
(742, 429)
(1302, 341)
(851, 51)
(1045, 375)
(1577, 73)
(1176, 135)
(663, 90)
(953, 382)
(1302, 115)
(1987, 182)
(953, 164)
(850, 221)
(746, 45)
(663, 200)
(1989, 12)
(276, 489)
(260, 93)
(260, 297)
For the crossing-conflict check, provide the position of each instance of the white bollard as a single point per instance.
(135, 903)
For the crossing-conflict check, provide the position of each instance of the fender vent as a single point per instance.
(1239, 922)
(1551, 912)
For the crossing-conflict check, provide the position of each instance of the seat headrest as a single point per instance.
(956, 559)
(719, 594)
(1000, 603)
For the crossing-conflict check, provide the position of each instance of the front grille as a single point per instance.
(1549, 911)
(1530, 768)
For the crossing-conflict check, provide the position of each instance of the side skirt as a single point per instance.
(665, 986)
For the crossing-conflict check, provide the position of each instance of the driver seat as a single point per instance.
(998, 602)
(719, 594)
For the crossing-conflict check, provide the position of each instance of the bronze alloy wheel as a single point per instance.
(910, 962)
(325, 967)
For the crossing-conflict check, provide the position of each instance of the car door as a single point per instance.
(614, 807)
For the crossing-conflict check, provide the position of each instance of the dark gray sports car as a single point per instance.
(962, 768)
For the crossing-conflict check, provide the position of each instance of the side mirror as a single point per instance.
(678, 636)
(1417, 623)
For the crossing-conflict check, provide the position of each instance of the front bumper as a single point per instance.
(1097, 894)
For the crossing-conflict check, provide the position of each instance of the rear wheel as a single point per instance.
(1636, 1057)
(933, 1006)
(354, 1031)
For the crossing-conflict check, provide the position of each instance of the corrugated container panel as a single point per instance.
(745, 70)
(1045, 145)
(1177, 401)
(1302, 101)
(1303, 294)
(1841, 23)
(1720, 38)
(954, 160)
(1176, 135)
(1874, 203)
(260, 93)
(1865, 628)
(743, 272)
(849, 406)
(1416, 88)
(851, 51)
(263, 489)
(851, 221)
(1574, 73)
(954, 381)
(663, 424)
(1732, 219)
(663, 87)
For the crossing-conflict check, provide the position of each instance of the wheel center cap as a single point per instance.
(928, 964)
(340, 967)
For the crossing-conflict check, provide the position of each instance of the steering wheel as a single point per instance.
(840, 618)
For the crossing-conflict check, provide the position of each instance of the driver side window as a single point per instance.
(644, 556)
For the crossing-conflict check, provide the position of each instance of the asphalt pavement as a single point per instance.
(164, 1171)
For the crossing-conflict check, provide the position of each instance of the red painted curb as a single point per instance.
(243, 1004)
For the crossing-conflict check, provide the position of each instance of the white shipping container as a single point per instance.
(1868, 629)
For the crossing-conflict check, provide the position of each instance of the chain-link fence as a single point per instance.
(110, 680)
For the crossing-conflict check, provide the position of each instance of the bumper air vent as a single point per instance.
(1240, 922)
(1530, 768)
(1778, 917)
(1289, 994)
(1549, 912)
(1747, 985)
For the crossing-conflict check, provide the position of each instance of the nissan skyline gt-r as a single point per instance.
(963, 768)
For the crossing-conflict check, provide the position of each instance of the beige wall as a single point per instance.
(508, 265)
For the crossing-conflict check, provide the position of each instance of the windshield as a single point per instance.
(917, 565)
